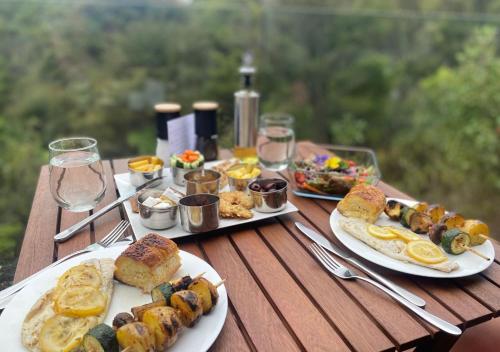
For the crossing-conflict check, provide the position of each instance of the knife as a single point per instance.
(72, 230)
(323, 242)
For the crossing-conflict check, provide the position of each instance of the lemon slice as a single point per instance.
(61, 333)
(404, 234)
(80, 301)
(80, 275)
(380, 232)
(425, 252)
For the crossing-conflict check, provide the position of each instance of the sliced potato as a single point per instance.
(164, 323)
(136, 336)
(139, 311)
(206, 291)
(188, 305)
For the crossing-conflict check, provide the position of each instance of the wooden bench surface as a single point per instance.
(280, 298)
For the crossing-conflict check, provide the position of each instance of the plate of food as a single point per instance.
(331, 174)
(166, 209)
(148, 296)
(411, 237)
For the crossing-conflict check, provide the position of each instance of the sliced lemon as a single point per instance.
(80, 275)
(380, 232)
(63, 334)
(425, 252)
(80, 301)
(404, 234)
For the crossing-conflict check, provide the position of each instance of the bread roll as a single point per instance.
(149, 262)
(363, 202)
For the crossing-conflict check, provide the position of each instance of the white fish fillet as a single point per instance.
(42, 309)
(393, 248)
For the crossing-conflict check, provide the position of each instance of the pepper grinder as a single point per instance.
(205, 117)
(164, 113)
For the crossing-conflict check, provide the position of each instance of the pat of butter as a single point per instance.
(151, 202)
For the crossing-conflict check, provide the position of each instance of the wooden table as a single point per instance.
(280, 299)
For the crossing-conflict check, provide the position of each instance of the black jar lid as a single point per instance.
(205, 113)
(165, 112)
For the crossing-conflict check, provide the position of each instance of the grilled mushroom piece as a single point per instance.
(121, 319)
(420, 222)
(436, 232)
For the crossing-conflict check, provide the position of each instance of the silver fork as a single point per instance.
(342, 272)
(113, 236)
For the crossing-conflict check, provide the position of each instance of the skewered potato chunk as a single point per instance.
(453, 221)
(206, 291)
(393, 209)
(477, 230)
(436, 212)
(421, 207)
(420, 222)
(164, 324)
(139, 311)
(136, 336)
(188, 305)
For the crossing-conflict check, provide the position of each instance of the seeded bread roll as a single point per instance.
(363, 202)
(149, 262)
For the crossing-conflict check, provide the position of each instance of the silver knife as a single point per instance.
(72, 230)
(323, 242)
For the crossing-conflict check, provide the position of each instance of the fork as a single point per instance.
(113, 236)
(343, 272)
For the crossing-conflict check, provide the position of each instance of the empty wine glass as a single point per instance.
(77, 180)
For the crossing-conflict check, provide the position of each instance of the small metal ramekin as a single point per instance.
(202, 181)
(270, 202)
(239, 184)
(199, 212)
(154, 218)
(138, 178)
(178, 174)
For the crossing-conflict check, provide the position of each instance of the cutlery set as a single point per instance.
(412, 302)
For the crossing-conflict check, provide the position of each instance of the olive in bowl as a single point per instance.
(269, 194)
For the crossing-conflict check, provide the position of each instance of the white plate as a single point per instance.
(198, 338)
(469, 264)
(123, 185)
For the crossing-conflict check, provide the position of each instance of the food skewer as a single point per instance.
(219, 283)
(472, 250)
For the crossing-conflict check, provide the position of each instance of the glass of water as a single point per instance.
(276, 141)
(77, 180)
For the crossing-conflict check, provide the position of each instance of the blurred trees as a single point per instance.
(415, 80)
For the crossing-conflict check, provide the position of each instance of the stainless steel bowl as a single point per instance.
(202, 181)
(272, 201)
(153, 218)
(138, 178)
(199, 212)
(239, 184)
(178, 174)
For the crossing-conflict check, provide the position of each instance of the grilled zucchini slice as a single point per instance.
(406, 213)
(162, 293)
(188, 305)
(455, 241)
(100, 338)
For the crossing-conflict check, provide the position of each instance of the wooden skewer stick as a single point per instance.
(472, 250)
(128, 349)
(199, 275)
(484, 237)
(220, 283)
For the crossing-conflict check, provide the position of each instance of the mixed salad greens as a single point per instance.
(326, 174)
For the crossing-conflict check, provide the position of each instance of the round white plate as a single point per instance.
(198, 338)
(469, 264)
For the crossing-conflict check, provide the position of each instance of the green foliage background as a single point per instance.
(418, 81)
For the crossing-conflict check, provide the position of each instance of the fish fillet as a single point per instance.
(42, 310)
(393, 248)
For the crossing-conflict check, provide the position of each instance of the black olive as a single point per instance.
(255, 187)
(122, 319)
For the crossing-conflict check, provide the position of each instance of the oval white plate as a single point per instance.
(469, 264)
(198, 338)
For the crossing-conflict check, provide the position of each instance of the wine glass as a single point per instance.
(77, 180)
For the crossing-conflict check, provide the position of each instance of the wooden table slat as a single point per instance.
(312, 329)
(37, 250)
